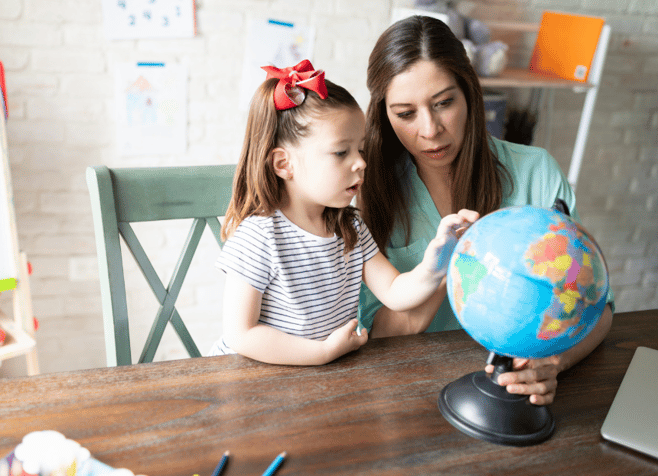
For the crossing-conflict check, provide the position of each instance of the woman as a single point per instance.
(429, 154)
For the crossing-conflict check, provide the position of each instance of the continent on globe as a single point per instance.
(565, 258)
(468, 266)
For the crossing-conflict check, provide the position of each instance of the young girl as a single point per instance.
(296, 251)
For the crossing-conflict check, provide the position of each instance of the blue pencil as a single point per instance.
(275, 464)
(222, 463)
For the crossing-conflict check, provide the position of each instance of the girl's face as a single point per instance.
(327, 164)
(428, 112)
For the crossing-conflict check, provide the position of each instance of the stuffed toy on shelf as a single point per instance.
(489, 58)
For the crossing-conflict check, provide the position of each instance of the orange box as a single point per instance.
(565, 45)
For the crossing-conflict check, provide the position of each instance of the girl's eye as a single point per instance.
(341, 153)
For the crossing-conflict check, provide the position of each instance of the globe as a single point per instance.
(527, 282)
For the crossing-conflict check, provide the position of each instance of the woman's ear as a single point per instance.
(281, 163)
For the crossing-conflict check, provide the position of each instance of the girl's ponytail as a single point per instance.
(256, 188)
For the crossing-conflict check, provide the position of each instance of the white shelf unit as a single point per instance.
(19, 330)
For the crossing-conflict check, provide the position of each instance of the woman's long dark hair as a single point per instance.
(476, 173)
(257, 190)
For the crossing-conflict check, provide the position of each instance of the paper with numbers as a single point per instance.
(130, 19)
(151, 105)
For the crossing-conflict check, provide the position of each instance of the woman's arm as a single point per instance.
(243, 333)
(538, 377)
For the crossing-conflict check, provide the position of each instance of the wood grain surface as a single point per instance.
(372, 412)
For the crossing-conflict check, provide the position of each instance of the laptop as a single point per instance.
(632, 420)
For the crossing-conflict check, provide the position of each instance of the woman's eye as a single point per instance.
(444, 103)
(405, 114)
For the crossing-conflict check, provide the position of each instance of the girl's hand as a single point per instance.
(534, 377)
(345, 339)
(451, 228)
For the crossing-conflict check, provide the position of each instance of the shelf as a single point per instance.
(18, 342)
(523, 27)
(523, 78)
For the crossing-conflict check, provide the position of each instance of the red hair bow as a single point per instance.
(288, 92)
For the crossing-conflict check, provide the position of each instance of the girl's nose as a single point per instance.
(359, 163)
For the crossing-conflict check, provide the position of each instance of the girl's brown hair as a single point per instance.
(257, 190)
(477, 175)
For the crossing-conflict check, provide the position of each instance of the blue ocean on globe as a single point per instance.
(527, 282)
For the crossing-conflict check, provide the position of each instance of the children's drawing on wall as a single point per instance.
(127, 19)
(276, 43)
(151, 105)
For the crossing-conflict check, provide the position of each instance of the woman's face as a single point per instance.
(428, 112)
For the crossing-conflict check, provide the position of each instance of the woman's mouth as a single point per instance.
(437, 153)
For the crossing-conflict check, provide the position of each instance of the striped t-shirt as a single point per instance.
(310, 287)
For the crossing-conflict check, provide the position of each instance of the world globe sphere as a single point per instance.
(527, 282)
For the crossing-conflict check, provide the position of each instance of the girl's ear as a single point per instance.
(281, 163)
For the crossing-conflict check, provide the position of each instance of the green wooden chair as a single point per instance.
(120, 197)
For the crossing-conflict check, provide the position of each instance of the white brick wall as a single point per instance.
(60, 72)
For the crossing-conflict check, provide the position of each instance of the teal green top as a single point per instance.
(538, 180)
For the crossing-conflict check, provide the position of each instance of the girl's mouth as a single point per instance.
(354, 188)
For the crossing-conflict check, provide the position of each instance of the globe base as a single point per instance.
(479, 407)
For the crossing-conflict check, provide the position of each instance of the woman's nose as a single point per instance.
(430, 125)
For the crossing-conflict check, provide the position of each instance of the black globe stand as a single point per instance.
(476, 405)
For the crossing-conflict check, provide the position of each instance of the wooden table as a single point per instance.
(373, 412)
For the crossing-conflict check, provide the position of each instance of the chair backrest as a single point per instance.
(120, 197)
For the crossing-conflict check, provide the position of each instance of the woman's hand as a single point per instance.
(538, 377)
(534, 377)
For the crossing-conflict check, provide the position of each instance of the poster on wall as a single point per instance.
(272, 42)
(134, 19)
(151, 108)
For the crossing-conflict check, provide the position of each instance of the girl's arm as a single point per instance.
(406, 291)
(388, 323)
(243, 333)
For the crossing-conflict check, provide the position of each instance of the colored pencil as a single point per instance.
(275, 464)
(221, 464)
